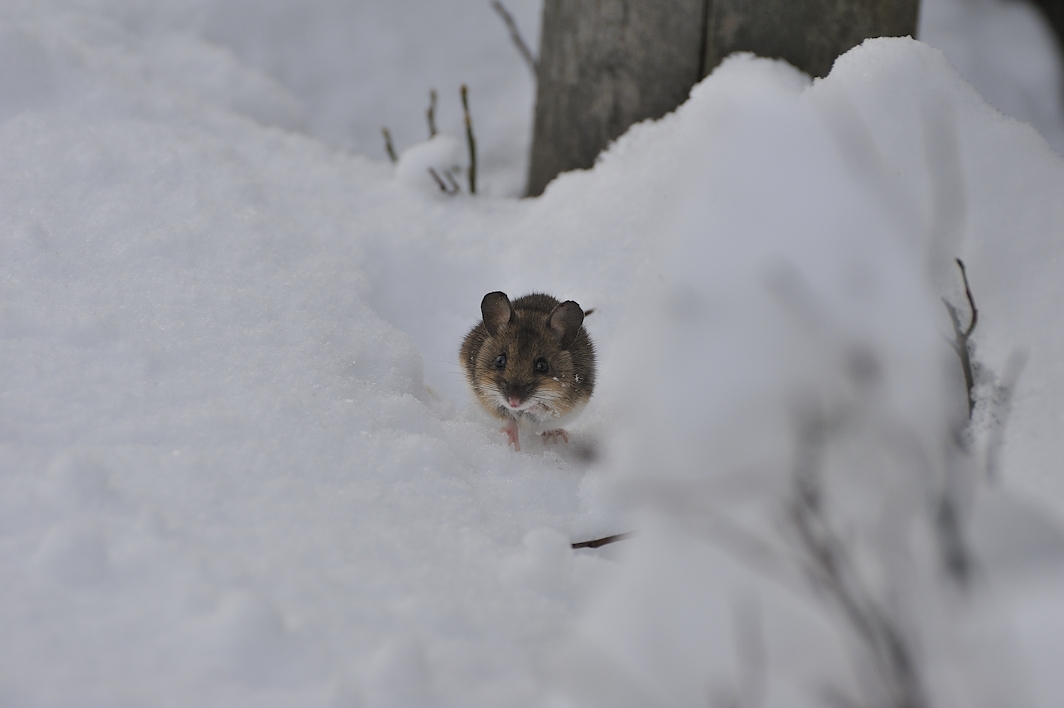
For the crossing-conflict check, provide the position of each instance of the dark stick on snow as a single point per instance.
(443, 187)
(470, 140)
(430, 114)
(388, 145)
(960, 342)
(515, 35)
(450, 180)
(598, 542)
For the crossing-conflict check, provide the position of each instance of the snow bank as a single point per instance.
(238, 465)
(789, 408)
(224, 481)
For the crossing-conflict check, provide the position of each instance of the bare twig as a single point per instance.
(441, 184)
(388, 145)
(450, 180)
(961, 335)
(604, 541)
(829, 566)
(470, 141)
(952, 500)
(947, 518)
(430, 113)
(955, 556)
(515, 35)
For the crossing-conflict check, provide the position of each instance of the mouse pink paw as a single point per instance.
(553, 435)
(511, 432)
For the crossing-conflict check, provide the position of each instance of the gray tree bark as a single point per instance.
(606, 64)
(809, 34)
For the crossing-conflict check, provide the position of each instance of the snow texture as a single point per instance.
(239, 464)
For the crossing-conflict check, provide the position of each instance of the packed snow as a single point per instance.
(239, 464)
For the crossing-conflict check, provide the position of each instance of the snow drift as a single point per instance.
(238, 465)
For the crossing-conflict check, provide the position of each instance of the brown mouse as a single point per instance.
(530, 363)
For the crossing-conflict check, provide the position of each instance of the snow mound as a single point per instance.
(789, 409)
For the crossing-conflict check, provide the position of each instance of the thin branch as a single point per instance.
(515, 35)
(955, 554)
(430, 113)
(440, 183)
(450, 180)
(470, 140)
(961, 335)
(388, 145)
(971, 300)
(829, 566)
(604, 541)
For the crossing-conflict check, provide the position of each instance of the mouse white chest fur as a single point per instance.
(530, 363)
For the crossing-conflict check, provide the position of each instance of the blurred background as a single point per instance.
(352, 68)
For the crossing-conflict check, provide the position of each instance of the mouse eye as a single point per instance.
(542, 366)
(500, 361)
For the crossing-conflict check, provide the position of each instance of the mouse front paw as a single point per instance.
(511, 432)
(553, 435)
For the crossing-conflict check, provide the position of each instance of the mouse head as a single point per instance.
(526, 361)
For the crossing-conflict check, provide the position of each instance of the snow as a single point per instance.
(819, 309)
(1009, 54)
(238, 461)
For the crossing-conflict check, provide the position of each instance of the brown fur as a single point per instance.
(536, 327)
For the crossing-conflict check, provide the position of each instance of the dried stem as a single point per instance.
(470, 140)
(388, 145)
(955, 556)
(515, 35)
(441, 184)
(829, 565)
(604, 541)
(430, 114)
(961, 336)
(450, 180)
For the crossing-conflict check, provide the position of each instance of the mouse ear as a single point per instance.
(497, 312)
(564, 321)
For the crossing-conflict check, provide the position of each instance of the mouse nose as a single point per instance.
(517, 393)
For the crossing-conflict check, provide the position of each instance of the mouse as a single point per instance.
(530, 363)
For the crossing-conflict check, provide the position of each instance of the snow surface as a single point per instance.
(1009, 54)
(238, 463)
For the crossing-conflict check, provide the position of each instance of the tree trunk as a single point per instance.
(606, 64)
(807, 33)
(1053, 11)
